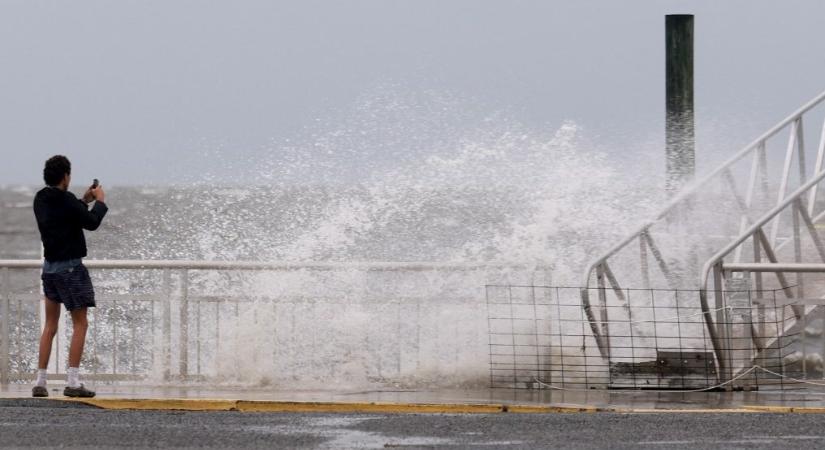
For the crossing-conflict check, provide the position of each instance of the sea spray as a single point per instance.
(421, 179)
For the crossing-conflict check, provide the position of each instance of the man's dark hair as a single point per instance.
(56, 168)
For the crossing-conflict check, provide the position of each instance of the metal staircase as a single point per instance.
(744, 243)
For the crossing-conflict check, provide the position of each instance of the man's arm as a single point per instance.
(89, 219)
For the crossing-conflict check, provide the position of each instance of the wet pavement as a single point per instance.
(628, 419)
(29, 423)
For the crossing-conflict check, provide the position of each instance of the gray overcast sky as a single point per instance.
(137, 92)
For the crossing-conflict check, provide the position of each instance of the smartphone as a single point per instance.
(95, 183)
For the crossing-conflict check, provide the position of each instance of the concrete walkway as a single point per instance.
(200, 398)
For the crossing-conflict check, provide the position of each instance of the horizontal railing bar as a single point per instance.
(774, 267)
(29, 376)
(100, 297)
(143, 298)
(271, 266)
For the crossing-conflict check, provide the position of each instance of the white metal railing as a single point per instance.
(180, 307)
(264, 265)
(801, 204)
(675, 220)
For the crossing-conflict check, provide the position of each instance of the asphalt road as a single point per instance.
(30, 423)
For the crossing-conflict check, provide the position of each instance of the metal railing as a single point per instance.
(158, 326)
(715, 268)
(539, 339)
(698, 221)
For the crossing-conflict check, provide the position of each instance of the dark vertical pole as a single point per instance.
(679, 91)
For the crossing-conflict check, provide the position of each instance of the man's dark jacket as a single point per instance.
(61, 218)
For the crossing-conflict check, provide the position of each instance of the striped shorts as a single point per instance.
(72, 287)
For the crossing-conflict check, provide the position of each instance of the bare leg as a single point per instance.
(79, 326)
(49, 330)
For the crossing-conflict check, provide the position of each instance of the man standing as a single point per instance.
(61, 218)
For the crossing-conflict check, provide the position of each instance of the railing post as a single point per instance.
(760, 310)
(5, 335)
(820, 161)
(166, 324)
(605, 326)
(800, 150)
(786, 172)
(749, 196)
(643, 264)
(764, 184)
(797, 246)
(722, 325)
(184, 326)
(750, 346)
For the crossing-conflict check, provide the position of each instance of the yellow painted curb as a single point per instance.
(160, 404)
(680, 411)
(391, 408)
(285, 406)
(355, 407)
(536, 409)
(172, 404)
(787, 409)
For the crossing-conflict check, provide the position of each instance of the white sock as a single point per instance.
(73, 377)
(41, 378)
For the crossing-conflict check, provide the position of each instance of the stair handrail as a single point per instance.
(685, 194)
(718, 258)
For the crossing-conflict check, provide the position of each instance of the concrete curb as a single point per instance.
(788, 409)
(322, 407)
(169, 404)
(402, 408)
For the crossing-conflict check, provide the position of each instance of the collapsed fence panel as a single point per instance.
(539, 337)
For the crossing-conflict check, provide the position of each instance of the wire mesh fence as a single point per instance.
(539, 337)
